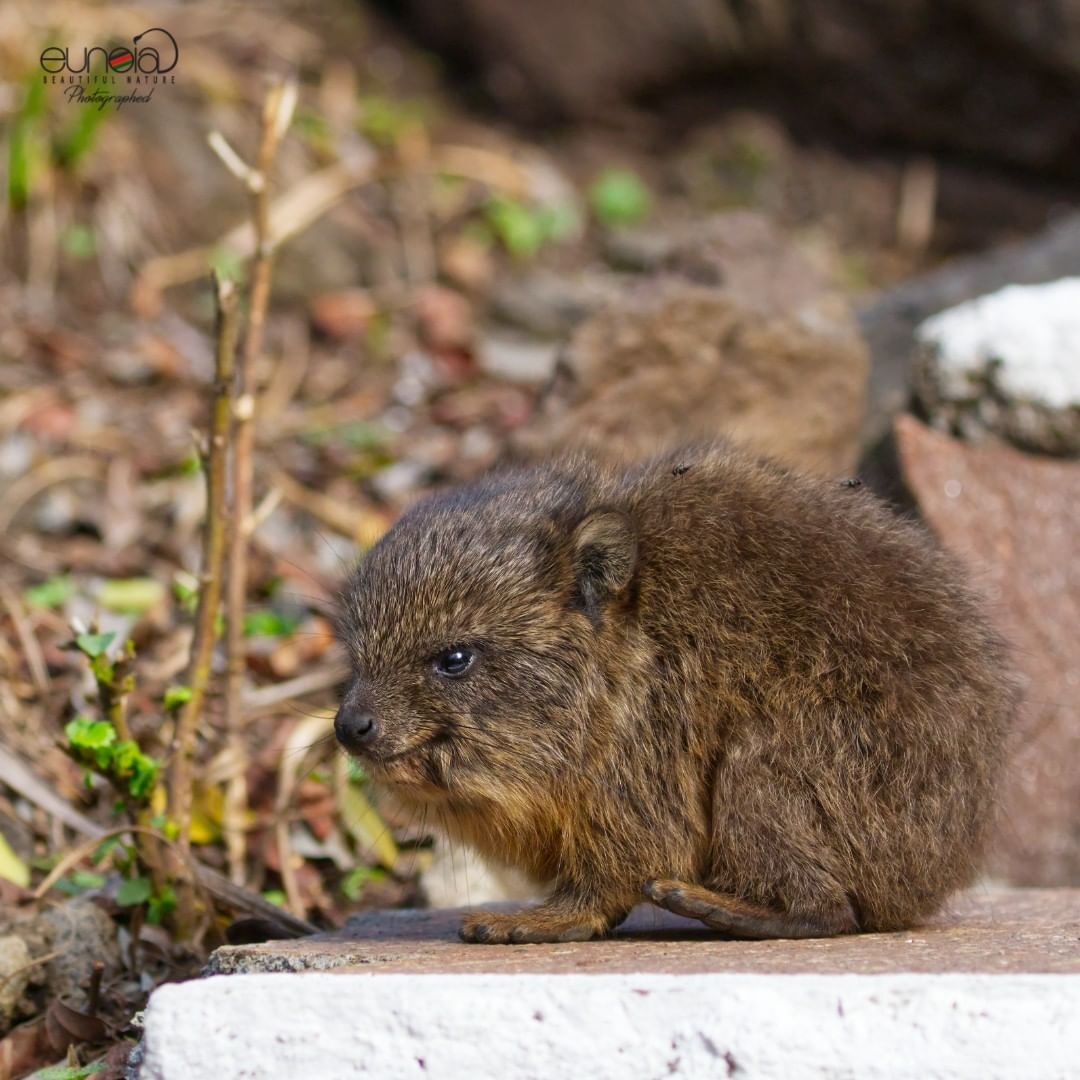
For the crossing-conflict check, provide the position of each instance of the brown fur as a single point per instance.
(761, 700)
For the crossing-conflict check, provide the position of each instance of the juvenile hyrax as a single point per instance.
(756, 699)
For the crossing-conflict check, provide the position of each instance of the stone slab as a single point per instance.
(614, 1027)
(1012, 931)
(988, 989)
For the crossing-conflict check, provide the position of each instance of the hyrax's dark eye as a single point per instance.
(454, 662)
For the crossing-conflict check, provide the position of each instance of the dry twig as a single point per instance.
(917, 205)
(34, 658)
(277, 114)
(213, 557)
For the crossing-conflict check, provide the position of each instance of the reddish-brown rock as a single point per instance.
(1015, 519)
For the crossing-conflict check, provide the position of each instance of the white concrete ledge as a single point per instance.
(326, 1026)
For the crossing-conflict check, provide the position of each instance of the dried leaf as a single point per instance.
(362, 820)
(12, 868)
(24, 1049)
(131, 596)
(66, 1026)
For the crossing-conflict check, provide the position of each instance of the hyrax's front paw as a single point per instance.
(530, 926)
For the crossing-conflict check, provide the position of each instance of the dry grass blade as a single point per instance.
(21, 778)
(34, 658)
(270, 697)
(61, 470)
(294, 756)
(289, 214)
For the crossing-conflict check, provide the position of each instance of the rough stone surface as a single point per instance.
(737, 336)
(987, 930)
(549, 304)
(83, 935)
(1007, 363)
(1015, 520)
(615, 1027)
(517, 359)
(14, 974)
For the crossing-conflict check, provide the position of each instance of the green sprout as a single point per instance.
(619, 197)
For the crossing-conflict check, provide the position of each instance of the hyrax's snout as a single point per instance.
(355, 725)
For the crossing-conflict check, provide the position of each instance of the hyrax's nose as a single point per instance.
(355, 725)
(354, 728)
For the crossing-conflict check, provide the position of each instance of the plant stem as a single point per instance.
(277, 112)
(213, 555)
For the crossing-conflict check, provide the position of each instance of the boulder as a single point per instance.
(1007, 363)
(1015, 519)
(737, 336)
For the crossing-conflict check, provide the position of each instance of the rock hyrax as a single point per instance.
(756, 699)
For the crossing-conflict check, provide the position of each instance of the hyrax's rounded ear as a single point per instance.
(605, 557)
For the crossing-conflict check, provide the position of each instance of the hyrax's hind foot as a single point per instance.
(531, 926)
(736, 917)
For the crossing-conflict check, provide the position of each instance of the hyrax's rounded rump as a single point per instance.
(758, 699)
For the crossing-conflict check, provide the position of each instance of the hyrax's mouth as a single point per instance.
(416, 752)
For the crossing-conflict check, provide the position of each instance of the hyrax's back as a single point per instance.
(838, 673)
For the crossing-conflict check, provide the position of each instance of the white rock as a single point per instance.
(614, 1027)
(1025, 339)
(517, 359)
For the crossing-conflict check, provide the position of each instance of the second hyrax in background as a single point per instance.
(754, 698)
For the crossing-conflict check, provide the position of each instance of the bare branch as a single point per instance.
(277, 112)
(213, 556)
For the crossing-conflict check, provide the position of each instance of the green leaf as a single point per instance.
(192, 465)
(26, 149)
(520, 229)
(132, 596)
(103, 669)
(79, 138)
(79, 241)
(93, 741)
(133, 891)
(186, 590)
(79, 881)
(49, 594)
(161, 905)
(136, 769)
(68, 1072)
(103, 849)
(94, 645)
(559, 221)
(266, 622)
(12, 868)
(228, 264)
(352, 885)
(386, 120)
(85, 733)
(275, 896)
(176, 696)
(619, 197)
(165, 824)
